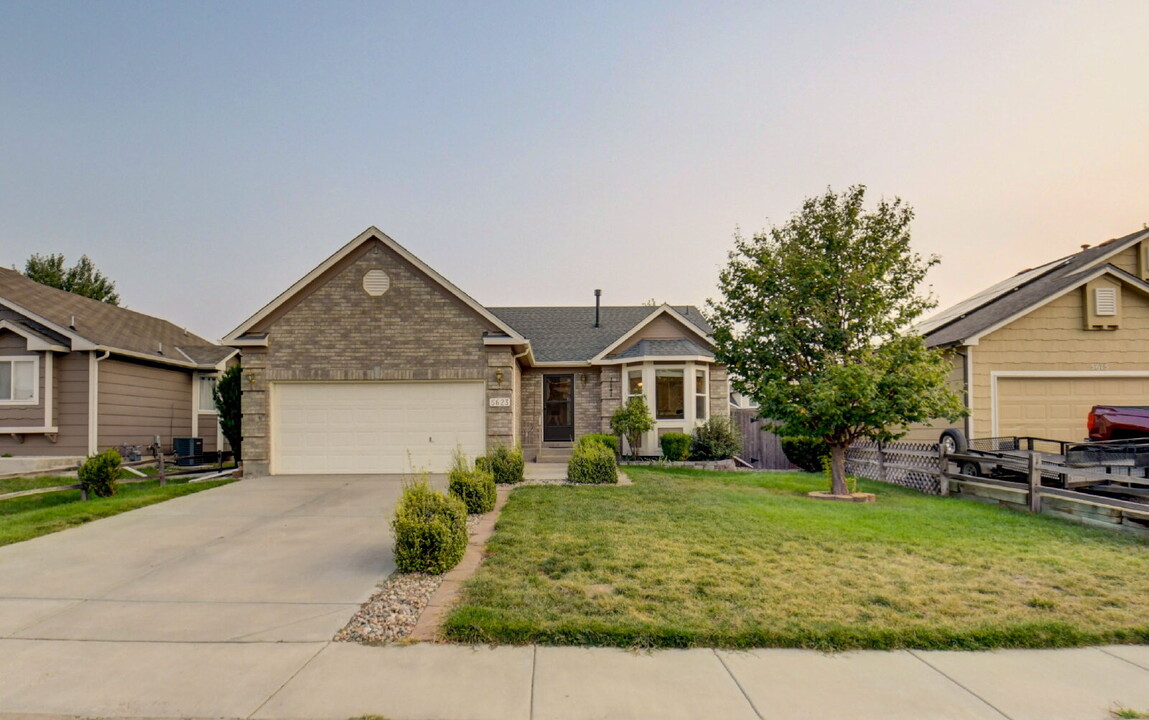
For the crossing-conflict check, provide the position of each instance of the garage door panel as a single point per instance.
(1056, 407)
(375, 427)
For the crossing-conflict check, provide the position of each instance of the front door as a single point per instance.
(558, 408)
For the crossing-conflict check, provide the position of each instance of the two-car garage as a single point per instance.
(374, 427)
(1055, 405)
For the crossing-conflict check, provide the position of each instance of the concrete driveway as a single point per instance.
(285, 559)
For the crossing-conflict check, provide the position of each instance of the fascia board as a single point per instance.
(78, 341)
(34, 342)
(662, 309)
(658, 358)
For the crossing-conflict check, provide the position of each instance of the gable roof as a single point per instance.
(80, 323)
(568, 334)
(236, 336)
(999, 304)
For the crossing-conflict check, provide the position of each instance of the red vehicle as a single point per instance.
(1118, 422)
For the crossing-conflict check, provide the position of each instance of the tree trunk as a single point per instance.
(838, 470)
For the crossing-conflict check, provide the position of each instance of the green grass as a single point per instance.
(691, 558)
(24, 518)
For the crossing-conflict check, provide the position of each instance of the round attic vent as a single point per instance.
(376, 282)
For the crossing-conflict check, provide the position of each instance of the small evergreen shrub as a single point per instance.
(476, 488)
(807, 453)
(505, 463)
(675, 445)
(631, 421)
(611, 441)
(430, 530)
(592, 463)
(100, 472)
(715, 439)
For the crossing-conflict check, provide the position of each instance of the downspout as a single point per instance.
(94, 400)
(516, 410)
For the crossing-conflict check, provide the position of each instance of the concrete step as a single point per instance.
(555, 453)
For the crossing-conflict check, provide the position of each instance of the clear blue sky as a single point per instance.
(207, 154)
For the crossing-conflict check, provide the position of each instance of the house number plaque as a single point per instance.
(499, 402)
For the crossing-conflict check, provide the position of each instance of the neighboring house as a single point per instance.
(1033, 353)
(79, 376)
(375, 363)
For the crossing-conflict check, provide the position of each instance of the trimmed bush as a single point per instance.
(675, 445)
(611, 441)
(715, 439)
(505, 463)
(592, 463)
(99, 473)
(806, 453)
(631, 421)
(430, 530)
(476, 488)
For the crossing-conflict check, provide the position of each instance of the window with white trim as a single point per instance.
(206, 395)
(19, 380)
(633, 382)
(701, 395)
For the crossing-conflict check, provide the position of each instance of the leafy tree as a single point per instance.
(82, 278)
(811, 325)
(631, 421)
(228, 395)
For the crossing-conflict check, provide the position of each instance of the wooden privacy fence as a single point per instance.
(1032, 482)
(760, 447)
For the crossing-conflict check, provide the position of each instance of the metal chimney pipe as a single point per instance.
(597, 295)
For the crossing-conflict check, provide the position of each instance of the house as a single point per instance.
(375, 363)
(1033, 353)
(78, 376)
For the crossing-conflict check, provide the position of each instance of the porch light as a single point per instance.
(499, 376)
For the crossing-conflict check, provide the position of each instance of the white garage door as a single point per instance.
(1057, 407)
(374, 427)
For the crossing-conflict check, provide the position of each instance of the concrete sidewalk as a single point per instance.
(442, 682)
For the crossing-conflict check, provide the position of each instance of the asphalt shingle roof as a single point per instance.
(1008, 300)
(664, 348)
(561, 334)
(107, 325)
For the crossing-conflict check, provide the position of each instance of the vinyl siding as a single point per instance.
(70, 412)
(13, 345)
(662, 327)
(138, 402)
(930, 432)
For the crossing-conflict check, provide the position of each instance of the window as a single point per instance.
(633, 383)
(19, 380)
(701, 397)
(669, 386)
(206, 396)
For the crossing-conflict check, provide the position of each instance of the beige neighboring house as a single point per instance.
(78, 376)
(375, 363)
(1033, 353)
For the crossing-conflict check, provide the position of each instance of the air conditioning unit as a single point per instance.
(188, 451)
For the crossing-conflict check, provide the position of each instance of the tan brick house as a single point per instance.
(79, 376)
(375, 363)
(1034, 352)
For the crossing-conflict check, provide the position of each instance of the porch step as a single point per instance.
(555, 453)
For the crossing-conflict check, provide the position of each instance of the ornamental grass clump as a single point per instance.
(675, 446)
(505, 463)
(430, 530)
(475, 487)
(592, 463)
(99, 473)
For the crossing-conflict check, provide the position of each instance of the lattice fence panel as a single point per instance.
(912, 465)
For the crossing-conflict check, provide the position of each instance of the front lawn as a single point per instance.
(30, 516)
(691, 558)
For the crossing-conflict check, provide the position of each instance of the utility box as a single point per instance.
(188, 451)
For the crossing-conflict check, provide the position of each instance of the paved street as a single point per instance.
(222, 605)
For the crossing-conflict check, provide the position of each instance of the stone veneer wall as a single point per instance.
(719, 391)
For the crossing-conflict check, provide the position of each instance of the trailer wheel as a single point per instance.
(953, 441)
(970, 468)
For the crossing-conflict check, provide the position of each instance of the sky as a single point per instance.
(206, 155)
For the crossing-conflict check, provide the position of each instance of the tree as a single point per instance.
(228, 395)
(811, 325)
(82, 278)
(631, 421)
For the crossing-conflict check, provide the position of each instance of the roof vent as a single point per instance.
(376, 282)
(160, 348)
(1085, 246)
(72, 324)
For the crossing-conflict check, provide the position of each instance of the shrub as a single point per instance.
(99, 473)
(430, 530)
(807, 453)
(631, 421)
(611, 441)
(505, 463)
(476, 488)
(592, 463)
(716, 439)
(675, 445)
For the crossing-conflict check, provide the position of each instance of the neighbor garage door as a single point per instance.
(374, 427)
(1056, 407)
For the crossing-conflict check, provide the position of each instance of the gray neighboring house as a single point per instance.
(78, 376)
(375, 363)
